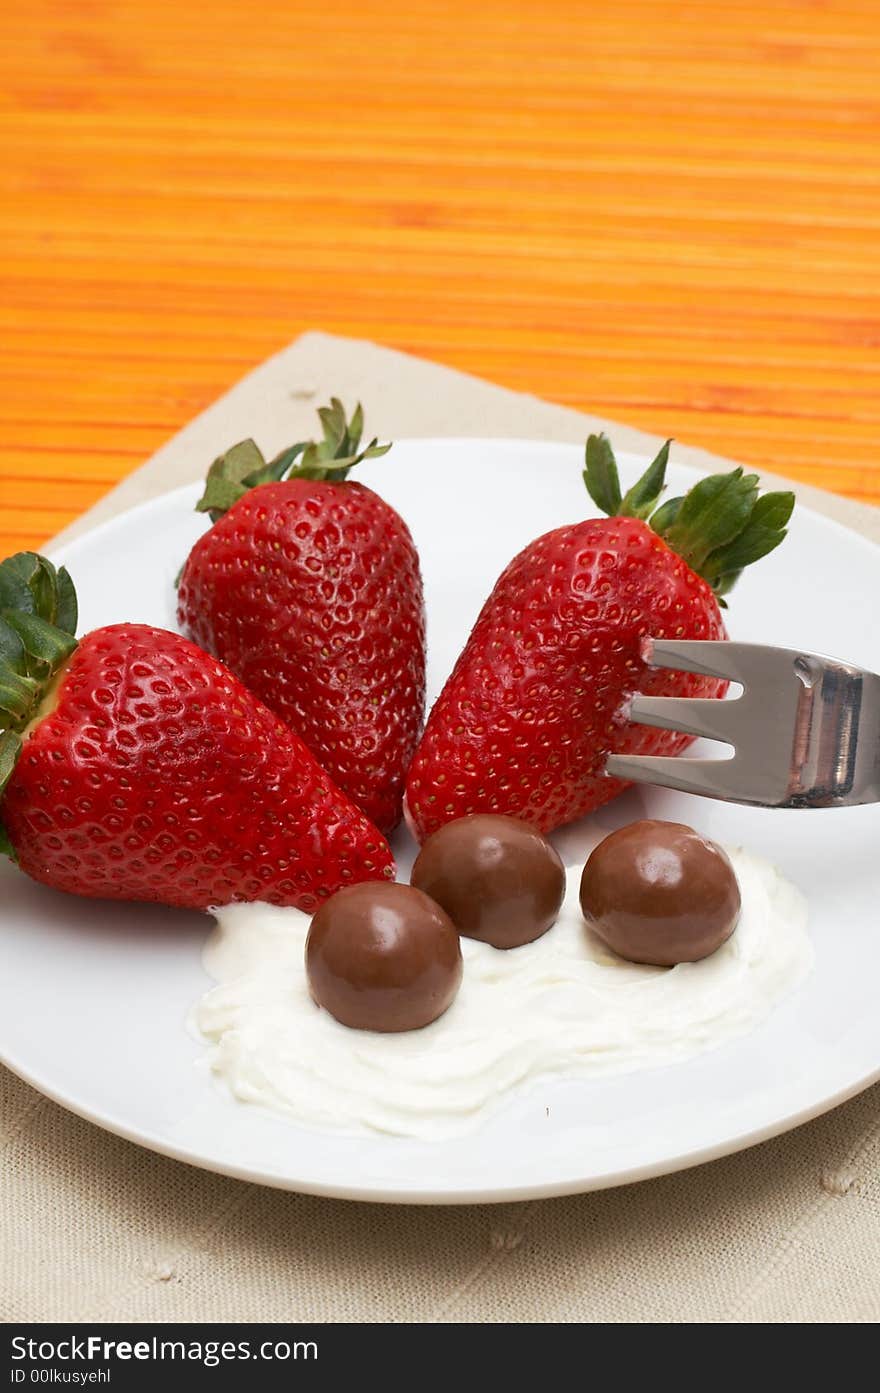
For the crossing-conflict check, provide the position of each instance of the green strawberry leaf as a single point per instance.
(645, 494)
(718, 527)
(763, 532)
(665, 515)
(10, 749)
(46, 646)
(219, 496)
(12, 652)
(67, 609)
(601, 476)
(15, 592)
(315, 465)
(34, 573)
(356, 425)
(50, 590)
(335, 426)
(724, 585)
(19, 698)
(714, 512)
(243, 467)
(225, 483)
(38, 615)
(44, 588)
(278, 467)
(6, 847)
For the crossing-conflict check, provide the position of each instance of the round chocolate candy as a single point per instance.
(497, 878)
(383, 957)
(658, 892)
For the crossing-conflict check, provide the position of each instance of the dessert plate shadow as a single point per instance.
(94, 997)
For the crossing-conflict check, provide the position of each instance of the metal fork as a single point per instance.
(805, 731)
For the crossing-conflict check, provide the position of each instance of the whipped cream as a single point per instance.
(562, 1006)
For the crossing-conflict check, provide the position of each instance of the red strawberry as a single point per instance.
(538, 698)
(308, 587)
(136, 767)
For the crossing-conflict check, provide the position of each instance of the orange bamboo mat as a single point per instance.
(663, 212)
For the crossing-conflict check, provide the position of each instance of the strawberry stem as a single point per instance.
(718, 527)
(38, 614)
(244, 467)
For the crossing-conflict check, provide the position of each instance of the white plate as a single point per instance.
(94, 996)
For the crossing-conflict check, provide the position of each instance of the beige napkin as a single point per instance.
(93, 1228)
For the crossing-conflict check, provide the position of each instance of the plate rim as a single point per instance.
(366, 1194)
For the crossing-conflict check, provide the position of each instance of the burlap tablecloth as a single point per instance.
(93, 1228)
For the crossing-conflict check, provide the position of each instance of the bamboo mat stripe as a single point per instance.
(663, 212)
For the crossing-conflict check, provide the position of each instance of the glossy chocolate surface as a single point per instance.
(658, 892)
(383, 957)
(498, 879)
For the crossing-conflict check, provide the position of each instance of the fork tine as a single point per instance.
(705, 716)
(738, 662)
(688, 655)
(742, 663)
(710, 778)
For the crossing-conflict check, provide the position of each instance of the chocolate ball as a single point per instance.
(383, 957)
(497, 878)
(658, 892)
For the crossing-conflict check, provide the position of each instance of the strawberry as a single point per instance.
(133, 766)
(308, 587)
(538, 697)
